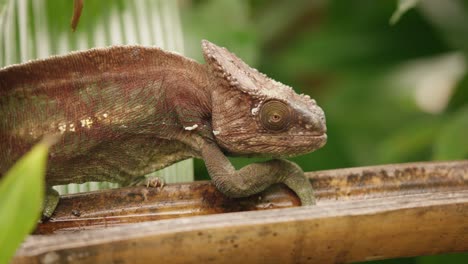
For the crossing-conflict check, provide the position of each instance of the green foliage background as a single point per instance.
(348, 56)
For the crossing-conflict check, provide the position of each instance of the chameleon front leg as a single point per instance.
(255, 177)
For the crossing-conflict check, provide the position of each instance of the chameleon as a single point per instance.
(122, 112)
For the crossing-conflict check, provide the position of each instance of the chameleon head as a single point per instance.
(256, 116)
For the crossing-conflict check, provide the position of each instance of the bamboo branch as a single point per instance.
(138, 204)
(362, 214)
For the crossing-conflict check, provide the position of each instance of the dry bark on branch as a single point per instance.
(362, 213)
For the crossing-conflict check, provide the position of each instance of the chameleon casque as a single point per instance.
(126, 111)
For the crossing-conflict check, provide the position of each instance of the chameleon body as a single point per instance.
(126, 111)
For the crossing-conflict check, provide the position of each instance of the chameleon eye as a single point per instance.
(275, 115)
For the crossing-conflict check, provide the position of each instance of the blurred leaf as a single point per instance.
(446, 258)
(275, 18)
(354, 38)
(21, 196)
(430, 81)
(460, 95)
(392, 261)
(3, 7)
(450, 18)
(452, 143)
(403, 7)
(365, 112)
(409, 141)
(223, 22)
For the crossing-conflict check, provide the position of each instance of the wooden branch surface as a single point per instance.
(362, 214)
(138, 204)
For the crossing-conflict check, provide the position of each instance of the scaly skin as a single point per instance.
(123, 112)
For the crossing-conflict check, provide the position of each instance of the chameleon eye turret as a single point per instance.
(275, 115)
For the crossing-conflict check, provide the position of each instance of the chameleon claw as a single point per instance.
(155, 182)
(149, 181)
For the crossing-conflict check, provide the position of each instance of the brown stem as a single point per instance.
(77, 8)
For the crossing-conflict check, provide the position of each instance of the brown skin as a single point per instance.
(124, 112)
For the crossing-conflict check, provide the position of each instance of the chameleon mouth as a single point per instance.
(309, 143)
(315, 137)
(322, 139)
(302, 140)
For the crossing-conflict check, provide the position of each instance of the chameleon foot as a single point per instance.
(294, 178)
(155, 182)
(255, 177)
(151, 181)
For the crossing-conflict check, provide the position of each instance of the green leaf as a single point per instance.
(453, 140)
(21, 196)
(403, 7)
